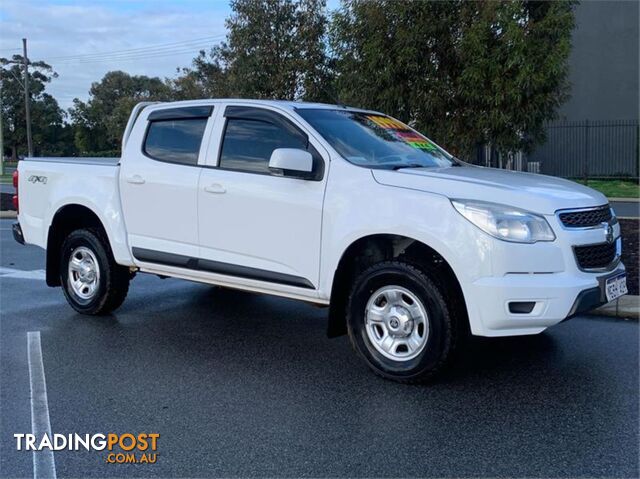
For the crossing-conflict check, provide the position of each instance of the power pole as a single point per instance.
(27, 109)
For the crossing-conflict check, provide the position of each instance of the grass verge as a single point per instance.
(614, 188)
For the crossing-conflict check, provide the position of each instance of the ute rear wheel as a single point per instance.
(399, 322)
(92, 282)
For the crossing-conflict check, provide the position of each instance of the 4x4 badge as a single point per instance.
(37, 179)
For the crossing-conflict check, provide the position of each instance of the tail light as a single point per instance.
(15, 197)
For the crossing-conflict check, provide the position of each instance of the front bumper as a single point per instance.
(586, 301)
(533, 286)
(555, 297)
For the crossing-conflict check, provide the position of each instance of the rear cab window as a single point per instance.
(175, 135)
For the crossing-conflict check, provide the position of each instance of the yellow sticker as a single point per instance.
(387, 123)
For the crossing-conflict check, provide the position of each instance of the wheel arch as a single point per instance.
(368, 250)
(66, 219)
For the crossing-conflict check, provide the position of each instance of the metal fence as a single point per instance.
(485, 155)
(589, 149)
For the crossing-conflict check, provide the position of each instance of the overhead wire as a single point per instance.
(140, 50)
(140, 56)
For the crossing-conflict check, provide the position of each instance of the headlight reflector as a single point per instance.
(505, 222)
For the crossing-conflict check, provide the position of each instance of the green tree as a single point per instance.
(465, 73)
(99, 122)
(274, 49)
(207, 78)
(46, 115)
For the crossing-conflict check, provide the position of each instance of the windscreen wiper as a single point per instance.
(408, 165)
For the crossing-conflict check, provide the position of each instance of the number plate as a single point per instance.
(616, 287)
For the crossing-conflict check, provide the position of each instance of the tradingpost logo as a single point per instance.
(124, 448)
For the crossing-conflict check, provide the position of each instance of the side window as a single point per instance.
(175, 141)
(248, 144)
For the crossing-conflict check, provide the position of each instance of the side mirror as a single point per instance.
(292, 162)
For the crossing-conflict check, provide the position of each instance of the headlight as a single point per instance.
(505, 222)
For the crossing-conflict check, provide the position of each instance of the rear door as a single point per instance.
(159, 181)
(253, 223)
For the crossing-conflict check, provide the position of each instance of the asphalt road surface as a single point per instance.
(626, 209)
(238, 384)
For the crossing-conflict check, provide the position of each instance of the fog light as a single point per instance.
(521, 307)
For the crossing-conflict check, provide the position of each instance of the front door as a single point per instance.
(255, 224)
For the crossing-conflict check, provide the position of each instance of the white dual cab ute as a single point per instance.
(408, 246)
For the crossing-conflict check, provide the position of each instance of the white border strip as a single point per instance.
(43, 462)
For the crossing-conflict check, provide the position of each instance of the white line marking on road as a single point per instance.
(43, 462)
(38, 274)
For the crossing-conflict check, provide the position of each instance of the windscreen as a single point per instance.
(375, 141)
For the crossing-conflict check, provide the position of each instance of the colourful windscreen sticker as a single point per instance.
(387, 123)
(402, 132)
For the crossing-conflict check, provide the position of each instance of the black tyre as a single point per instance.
(399, 322)
(92, 281)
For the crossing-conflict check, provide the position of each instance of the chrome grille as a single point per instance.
(585, 218)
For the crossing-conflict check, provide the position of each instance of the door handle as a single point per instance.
(135, 180)
(215, 188)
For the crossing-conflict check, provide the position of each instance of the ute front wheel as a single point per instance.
(400, 323)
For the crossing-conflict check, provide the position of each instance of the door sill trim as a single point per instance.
(227, 269)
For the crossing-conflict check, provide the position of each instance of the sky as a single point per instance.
(83, 40)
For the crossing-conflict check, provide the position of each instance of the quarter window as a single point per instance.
(248, 144)
(175, 141)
